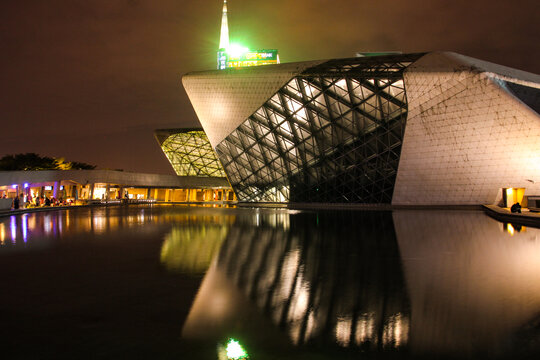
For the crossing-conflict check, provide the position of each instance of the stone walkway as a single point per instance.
(38, 209)
(526, 217)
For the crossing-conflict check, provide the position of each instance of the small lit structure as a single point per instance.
(189, 152)
(237, 56)
(191, 155)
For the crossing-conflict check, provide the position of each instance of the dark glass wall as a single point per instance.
(332, 134)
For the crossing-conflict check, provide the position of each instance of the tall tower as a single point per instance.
(223, 39)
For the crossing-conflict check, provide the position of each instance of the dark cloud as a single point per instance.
(91, 80)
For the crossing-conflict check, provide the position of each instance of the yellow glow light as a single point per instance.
(2, 234)
(510, 229)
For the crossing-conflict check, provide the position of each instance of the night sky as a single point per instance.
(90, 80)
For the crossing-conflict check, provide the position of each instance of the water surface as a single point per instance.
(179, 282)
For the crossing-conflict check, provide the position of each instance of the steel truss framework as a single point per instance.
(331, 134)
(191, 154)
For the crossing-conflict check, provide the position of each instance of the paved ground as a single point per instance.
(36, 209)
(526, 217)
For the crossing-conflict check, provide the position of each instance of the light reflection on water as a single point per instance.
(471, 282)
(38, 229)
(190, 248)
(420, 282)
(332, 279)
(454, 283)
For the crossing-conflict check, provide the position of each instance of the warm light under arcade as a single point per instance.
(514, 195)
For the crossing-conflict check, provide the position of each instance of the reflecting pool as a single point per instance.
(219, 283)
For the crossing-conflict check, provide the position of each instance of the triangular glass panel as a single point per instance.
(320, 103)
(292, 105)
(311, 90)
(293, 87)
(340, 89)
(276, 101)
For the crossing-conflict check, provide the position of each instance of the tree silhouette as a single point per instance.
(32, 161)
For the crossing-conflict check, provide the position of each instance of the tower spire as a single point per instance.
(224, 36)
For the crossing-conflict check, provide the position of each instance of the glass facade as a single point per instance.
(189, 152)
(332, 134)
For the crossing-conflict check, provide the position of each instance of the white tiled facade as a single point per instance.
(223, 99)
(467, 135)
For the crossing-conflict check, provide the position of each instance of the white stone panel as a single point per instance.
(223, 99)
(466, 136)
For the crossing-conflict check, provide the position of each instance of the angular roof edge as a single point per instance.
(292, 67)
(462, 62)
(111, 176)
(444, 61)
(162, 134)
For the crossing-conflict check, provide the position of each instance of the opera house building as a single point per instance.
(434, 128)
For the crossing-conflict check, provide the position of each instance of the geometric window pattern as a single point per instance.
(332, 134)
(190, 152)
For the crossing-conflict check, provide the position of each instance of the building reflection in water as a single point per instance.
(449, 283)
(333, 279)
(424, 282)
(472, 281)
(41, 229)
(191, 246)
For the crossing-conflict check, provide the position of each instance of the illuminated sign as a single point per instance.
(222, 60)
(252, 58)
(237, 56)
